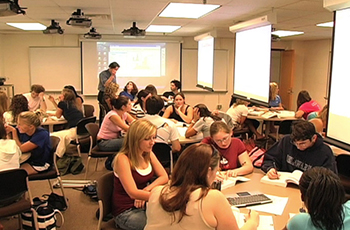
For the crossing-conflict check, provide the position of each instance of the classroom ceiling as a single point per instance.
(113, 16)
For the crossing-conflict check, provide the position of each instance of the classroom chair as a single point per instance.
(88, 110)
(15, 196)
(343, 162)
(284, 128)
(164, 154)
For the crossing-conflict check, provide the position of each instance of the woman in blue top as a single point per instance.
(130, 91)
(275, 101)
(30, 137)
(324, 196)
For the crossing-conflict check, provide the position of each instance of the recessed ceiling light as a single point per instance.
(326, 24)
(187, 10)
(28, 26)
(162, 29)
(285, 33)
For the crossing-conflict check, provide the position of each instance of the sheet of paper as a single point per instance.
(276, 207)
(231, 181)
(265, 222)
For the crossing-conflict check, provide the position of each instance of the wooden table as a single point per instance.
(255, 186)
(183, 140)
(50, 122)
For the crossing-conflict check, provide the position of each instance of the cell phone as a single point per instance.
(243, 193)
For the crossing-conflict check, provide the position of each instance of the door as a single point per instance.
(287, 79)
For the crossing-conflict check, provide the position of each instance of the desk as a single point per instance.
(255, 186)
(24, 157)
(52, 122)
(183, 140)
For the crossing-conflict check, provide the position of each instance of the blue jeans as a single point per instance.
(112, 145)
(131, 219)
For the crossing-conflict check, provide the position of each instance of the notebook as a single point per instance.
(284, 179)
(231, 181)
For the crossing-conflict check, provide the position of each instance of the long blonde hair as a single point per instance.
(239, 102)
(3, 103)
(30, 118)
(273, 90)
(138, 131)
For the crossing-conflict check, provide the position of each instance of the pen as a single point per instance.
(275, 167)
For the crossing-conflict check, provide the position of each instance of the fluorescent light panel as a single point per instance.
(162, 28)
(286, 33)
(326, 24)
(187, 10)
(27, 26)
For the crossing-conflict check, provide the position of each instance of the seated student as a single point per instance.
(111, 91)
(30, 137)
(175, 87)
(202, 120)
(179, 111)
(18, 105)
(323, 196)
(152, 89)
(302, 150)
(130, 91)
(138, 110)
(9, 151)
(306, 105)
(187, 202)
(319, 119)
(4, 101)
(166, 129)
(239, 112)
(234, 157)
(116, 121)
(134, 168)
(275, 101)
(36, 99)
(78, 99)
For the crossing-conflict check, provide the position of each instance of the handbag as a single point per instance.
(46, 216)
(56, 201)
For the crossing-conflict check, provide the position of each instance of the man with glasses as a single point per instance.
(302, 150)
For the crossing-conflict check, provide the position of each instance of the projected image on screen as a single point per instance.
(338, 124)
(252, 63)
(205, 62)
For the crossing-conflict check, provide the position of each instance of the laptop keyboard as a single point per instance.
(243, 201)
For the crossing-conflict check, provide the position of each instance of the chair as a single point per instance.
(343, 162)
(14, 189)
(104, 194)
(164, 154)
(82, 136)
(94, 151)
(103, 111)
(53, 172)
(284, 128)
(227, 118)
(88, 110)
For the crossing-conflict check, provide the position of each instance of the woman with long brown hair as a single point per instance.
(18, 104)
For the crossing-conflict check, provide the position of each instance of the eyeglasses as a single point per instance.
(225, 139)
(300, 143)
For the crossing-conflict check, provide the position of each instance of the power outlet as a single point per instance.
(218, 106)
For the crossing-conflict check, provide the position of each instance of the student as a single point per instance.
(110, 93)
(4, 101)
(78, 99)
(175, 87)
(30, 137)
(152, 89)
(9, 151)
(239, 112)
(302, 150)
(202, 119)
(179, 111)
(116, 121)
(18, 105)
(234, 157)
(36, 98)
(134, 168)
(138, 110)
(166, 129)
(275, 101)
(187, 202)
(323, 196)
(130, 91)
(319, 119)
(306, 105)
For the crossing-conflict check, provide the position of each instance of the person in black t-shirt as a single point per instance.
(175, 86)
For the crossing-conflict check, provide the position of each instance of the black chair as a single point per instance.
(88, 110)
(103, 112)
(284, 128)
(164, 154)
(343, 162)
(15, 196)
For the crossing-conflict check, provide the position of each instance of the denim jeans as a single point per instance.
(131, 219)
(111, 145)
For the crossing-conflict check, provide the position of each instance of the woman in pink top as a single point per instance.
(306, 105)
(115, 122)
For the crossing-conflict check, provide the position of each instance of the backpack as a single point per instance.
(256, 155)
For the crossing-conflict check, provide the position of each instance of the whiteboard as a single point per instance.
(190, 65)
(55, 67)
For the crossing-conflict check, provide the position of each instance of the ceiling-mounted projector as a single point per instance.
(54, 28)
(134, 31)
(10, 7)
(78, 19)
(92, 34)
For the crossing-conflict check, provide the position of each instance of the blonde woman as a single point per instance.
(275, 101)
(134, 168)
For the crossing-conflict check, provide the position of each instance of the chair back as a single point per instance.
(88, 110)
(227, 118)
(164, 154)
(104, 194)
(16, 185)
(92, 129)
(285, 127)
(81, 130)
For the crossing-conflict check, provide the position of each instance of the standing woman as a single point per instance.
(275, 101)
(116, 121)
(134, 168)
(18, 105)
(138, 110)
(187, 202)
(180, 111)
(130, 91)
(324, 198)
(234, 157)
(30, 137)
(4, 102)
(306, 105)
(202, 120)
